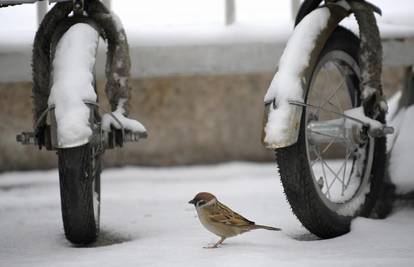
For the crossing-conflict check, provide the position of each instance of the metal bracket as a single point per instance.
(43, 135)
(78, 7)
(371, 6)
(372, 132)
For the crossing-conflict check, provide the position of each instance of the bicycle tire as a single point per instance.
(295, 170)
(79, 184)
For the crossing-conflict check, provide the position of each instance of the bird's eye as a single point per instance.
(201, 202)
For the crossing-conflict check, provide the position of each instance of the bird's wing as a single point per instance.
(223, 214)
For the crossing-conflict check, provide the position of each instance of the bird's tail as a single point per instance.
(258, 226)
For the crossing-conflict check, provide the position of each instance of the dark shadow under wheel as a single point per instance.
(79, 175)
(330, 179)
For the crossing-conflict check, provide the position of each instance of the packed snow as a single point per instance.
(147, 221)
(73, 68)
(358, 114)
(401, 145)
(118, 120)
(287, 83)
(401, 159)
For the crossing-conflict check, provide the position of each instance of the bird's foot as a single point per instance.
(210, 247)
(217, 244)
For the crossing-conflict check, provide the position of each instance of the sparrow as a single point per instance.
(221, 220)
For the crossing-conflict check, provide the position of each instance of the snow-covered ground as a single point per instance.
(146, 221)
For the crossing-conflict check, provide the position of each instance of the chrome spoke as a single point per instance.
(328, 134)
(335, 106)
(324, 134)
(333, 94)
(338, 101)
(344, 173)
(336, 174)
(329, 145)
(328, 193)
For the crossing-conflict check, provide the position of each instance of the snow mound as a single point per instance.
(127, 124)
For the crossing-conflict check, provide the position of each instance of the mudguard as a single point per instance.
(117, 66)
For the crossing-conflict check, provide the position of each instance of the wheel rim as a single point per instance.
(343, 183)
(95, 191)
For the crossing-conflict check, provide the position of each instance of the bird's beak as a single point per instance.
(191, 201)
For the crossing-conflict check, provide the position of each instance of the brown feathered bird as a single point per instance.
(221, 220)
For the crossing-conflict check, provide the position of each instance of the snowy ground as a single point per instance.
(146, 221)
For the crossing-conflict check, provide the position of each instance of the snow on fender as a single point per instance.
(73, 84)
(283, 119)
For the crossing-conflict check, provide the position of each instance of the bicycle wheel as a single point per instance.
(79, 166)
(79, 176)
(330, 179)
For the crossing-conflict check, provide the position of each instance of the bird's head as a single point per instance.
(203, 199)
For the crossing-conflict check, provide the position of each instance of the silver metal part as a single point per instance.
(298, 103)
(26, 138)
(337, 127)
(134, 137)
(100, 138)
(78, 7)
(339, 149)
(334, 131)
(380, 132)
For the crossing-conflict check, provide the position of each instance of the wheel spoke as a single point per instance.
(328, 98)
(329, 145)
(338, 101)
(335, 106)
(333, 94)
(327, 135)
(344, 172)
(328, 193)
(336, 174)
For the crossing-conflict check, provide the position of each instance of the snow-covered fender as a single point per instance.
(117, 66)
(281, 122)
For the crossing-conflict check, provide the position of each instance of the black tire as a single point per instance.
(296, 173)
(79, 175)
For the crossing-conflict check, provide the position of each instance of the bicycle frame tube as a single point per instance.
(281, 119)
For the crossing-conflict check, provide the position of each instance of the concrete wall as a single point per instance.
(190, 120)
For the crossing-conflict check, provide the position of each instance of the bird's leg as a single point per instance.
(218, 243)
